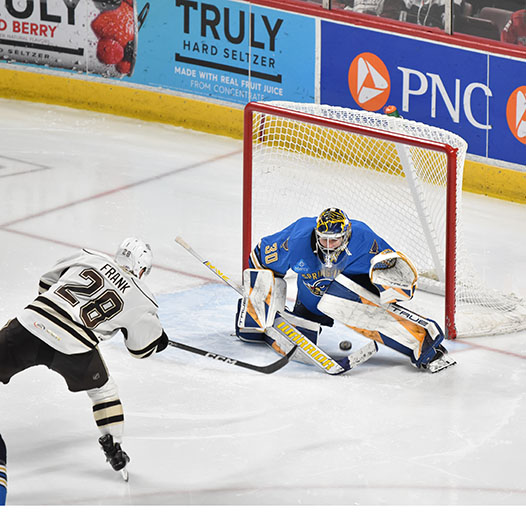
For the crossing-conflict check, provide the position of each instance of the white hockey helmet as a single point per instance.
(135, 256)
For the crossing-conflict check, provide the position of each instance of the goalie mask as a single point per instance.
(135, 256)
(333, 231)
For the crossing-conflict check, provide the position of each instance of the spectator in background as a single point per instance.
(514, 31)
(423, 12)
(432, 12)
(368, 7)
(395, 9)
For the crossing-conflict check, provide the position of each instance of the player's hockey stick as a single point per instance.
(207, 263)
(316, 355)
(267, 369)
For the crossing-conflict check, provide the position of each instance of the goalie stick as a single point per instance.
(267, 369)
(311, 351)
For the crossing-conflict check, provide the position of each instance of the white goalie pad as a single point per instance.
(391, 325)
(394, 276)
(306, 332)
(264, 295)
(308, 328)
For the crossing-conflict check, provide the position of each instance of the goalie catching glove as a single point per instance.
(394, 276)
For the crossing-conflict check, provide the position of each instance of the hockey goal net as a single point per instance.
(402, 178)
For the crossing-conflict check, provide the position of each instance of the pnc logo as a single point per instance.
(516, 113)
(369, 82)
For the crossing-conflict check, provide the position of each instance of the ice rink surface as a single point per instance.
(205, 433)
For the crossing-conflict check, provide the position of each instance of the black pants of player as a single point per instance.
(19, 350)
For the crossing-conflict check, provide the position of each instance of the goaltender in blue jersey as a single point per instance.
(345, 272)
(296, 248)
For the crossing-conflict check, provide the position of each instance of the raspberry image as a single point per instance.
(109, 51)
(124, 67)
(116, 24)
(115, 29)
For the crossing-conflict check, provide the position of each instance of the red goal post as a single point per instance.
(294, 154)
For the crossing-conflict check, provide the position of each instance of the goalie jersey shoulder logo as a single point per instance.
(374, 248)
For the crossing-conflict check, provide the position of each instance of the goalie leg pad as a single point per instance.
(276, 340)
(392, 325)
(247, 334)
(265, 294)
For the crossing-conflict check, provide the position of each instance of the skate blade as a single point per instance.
(441, 364)
(124, 474)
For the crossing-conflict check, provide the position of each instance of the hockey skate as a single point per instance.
(117, 458)
(440, 361)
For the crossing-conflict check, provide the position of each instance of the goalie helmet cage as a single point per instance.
(402, 178)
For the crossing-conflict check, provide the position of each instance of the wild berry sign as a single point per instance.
(90, 36)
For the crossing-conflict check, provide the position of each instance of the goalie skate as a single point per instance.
(440, 362)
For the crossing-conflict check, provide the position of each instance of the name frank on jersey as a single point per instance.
(115, 277)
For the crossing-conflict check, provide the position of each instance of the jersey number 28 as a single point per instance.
(94, 312)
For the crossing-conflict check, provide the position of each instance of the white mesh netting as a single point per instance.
(299, 169)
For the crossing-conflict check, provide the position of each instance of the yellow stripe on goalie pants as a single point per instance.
(397, 327)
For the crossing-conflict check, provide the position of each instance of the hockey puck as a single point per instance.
(345, 345)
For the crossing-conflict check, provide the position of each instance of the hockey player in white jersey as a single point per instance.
(83, 300)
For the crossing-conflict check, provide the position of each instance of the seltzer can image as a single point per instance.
(89, 36)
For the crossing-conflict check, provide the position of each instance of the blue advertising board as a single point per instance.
(235, 52)
(226, 50)
(507, 110)
(465, 91)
